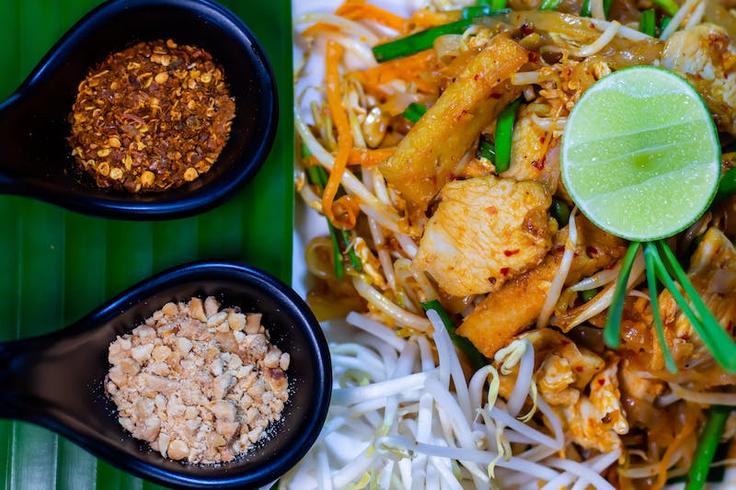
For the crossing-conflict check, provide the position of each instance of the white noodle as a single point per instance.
(623, 31)
(375, 328)
(361, 50)
(346, 25)
(377, 234)
(355, 394)
(596, 9)
(456, 371)
(555, 288)
(599, 43)
(649, 470)
(477, 382)
(474, 455)
(696, 16)
(407, 244)
(554, 421)
(509, 421)
(598, 464)
(702, 397)
(547, 123)
(523, 380)
(677, 19)
(603, 300)
(580, 470)
(602, 278)
(525, 77)
(388, 217)
(398, 314)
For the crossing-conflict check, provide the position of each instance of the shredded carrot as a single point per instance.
(691, 422)
(417, 69)
(360, 10)
(319, 28)
(335, 52)
(369, 158)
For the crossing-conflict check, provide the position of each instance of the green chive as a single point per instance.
(486, 150)
(550, 4)
(475, 358)
(498, 4)
(585, 10)
(647, 22)
(588, 294)
(318, 176)
(707, 445)
(304, 150)
(663, 24)
(727, 186)
(504, 134)
(560, 212)
(420, 41)
(670, 7)
(720, 339)
(414, 112)
(352, 255)
(650, 251)
(424, 40)
(612, 331)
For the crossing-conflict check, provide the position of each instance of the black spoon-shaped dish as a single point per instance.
(36, 159)
(56, 380)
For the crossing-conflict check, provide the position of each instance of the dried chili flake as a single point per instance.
(151, 117)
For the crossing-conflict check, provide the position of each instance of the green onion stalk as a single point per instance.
(423, 40)
(707, 445)
(340, 238)
(504, 135)
(662, 266)
(474, 357)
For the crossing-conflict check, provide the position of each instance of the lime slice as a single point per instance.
(640, 154)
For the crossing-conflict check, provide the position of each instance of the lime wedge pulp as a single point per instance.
(640, 154)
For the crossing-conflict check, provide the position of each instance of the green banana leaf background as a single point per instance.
(56, 265)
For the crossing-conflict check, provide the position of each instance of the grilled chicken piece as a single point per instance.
(713, 273)
(485, 231)
(426, 157)
(706, 56)
(514, 307)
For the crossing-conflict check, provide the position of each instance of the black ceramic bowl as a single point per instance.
(36, 159)
(56, 380)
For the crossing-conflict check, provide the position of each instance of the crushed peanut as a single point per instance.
(143, 112)
(198, 383)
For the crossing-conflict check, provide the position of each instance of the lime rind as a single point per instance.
(659, 194)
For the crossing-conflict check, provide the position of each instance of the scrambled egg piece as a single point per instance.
(713, 273)
(597, 420)
(565, 372)
(705, 55)
(486, 230)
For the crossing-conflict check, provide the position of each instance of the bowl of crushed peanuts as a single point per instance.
(209, 375)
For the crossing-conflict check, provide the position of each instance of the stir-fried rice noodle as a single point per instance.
(511, 386)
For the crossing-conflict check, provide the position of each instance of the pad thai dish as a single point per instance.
(527, 270)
